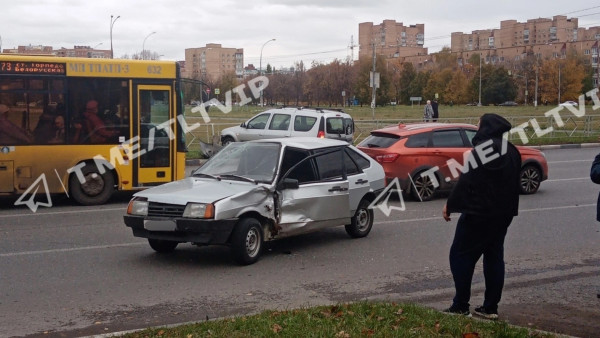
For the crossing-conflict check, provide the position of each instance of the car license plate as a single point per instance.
(154, 225)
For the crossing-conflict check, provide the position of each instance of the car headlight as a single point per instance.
(138, 206)
(199, 210)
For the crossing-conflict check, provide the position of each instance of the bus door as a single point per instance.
(154, 116)
(6, 176)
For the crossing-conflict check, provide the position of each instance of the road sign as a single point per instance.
(217, 91)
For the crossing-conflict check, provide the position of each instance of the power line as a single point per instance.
(581, 10)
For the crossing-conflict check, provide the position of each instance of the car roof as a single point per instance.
(318, 111)
(404, 129)
(305, 142)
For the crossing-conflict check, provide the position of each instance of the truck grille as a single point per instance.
(165, 210)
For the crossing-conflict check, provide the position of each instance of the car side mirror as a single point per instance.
(243, 125)
(288, 183)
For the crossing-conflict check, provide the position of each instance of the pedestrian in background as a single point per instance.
(428, 113)
(436, 114)
(487, 196)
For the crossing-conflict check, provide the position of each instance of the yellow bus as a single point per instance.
(89, 127)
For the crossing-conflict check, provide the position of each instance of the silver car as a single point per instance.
(292, 122)
(259, 191)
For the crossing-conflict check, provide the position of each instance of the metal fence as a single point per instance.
(564, 127)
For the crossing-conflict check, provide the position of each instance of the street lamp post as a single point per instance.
(144, 45)
(260, 69)
(112, 23)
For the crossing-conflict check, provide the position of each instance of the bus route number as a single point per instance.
(154, 70)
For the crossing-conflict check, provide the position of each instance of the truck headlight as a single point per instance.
(199, 210)
(138, 206)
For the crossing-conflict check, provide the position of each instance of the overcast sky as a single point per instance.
(304, 30)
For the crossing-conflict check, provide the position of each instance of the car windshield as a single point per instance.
(244, 161)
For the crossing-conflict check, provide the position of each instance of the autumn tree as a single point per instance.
(298, 80)
(415, 88)
(445, 59)
(364, 91)
(436, 84)
(564, 76)
(457, 89)
(407, 75)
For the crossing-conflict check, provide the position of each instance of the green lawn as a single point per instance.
(362, 319)
(574, 129)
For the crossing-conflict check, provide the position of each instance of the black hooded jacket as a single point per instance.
(492, 186)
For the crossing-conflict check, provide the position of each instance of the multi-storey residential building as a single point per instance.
(83, 52)
(541, 38)
(76, 51)
(514, 34)
(30, 49)
(213, 61)
(391, 39)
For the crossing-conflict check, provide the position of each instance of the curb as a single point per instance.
(567, 146)
(195, 162)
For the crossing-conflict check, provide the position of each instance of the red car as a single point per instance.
(407, 150)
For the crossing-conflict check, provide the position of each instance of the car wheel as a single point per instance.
(531, 178)
(96, 189)
(423, 188)
(162, 246)
(247, 241)
(226, 140)
(362, 221)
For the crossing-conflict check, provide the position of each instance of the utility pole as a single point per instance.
(536, 86)
(558, 82)
(526, 83)
(479, 104)
(373, 83)
(537, 68)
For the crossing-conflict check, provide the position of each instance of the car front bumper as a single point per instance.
(197, 231)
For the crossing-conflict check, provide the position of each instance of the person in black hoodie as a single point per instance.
(487, 196)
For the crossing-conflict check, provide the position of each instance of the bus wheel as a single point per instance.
(96, 189)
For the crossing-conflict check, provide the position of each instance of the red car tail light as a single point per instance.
(321, 134)
(386, 158)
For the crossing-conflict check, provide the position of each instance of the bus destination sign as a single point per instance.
(43, 68)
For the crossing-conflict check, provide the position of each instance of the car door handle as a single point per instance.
(337, 188)
(361, 181)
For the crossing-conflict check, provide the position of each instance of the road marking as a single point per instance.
(520, 210)
(588, 161)
(559, 207)
(39, 252)
(61, 212)
(569, 179)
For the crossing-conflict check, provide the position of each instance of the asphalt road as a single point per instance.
(73, 271)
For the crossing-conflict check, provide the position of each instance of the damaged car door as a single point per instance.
(321, 198)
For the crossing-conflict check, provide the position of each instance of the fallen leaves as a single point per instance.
(276, 328)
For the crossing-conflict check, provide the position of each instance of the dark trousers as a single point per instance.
(476, 236)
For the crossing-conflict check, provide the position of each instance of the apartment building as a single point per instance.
(213, 61)
(76, 51)
(543, 38)
(83, 52)
(515, 34)
(391, 39)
